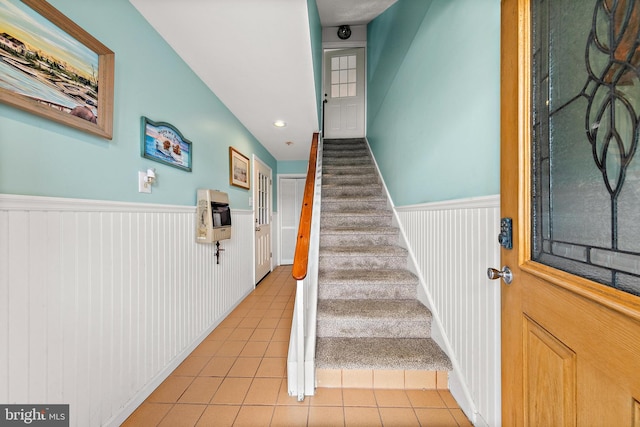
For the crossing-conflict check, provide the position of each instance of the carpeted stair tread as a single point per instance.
(360, 230)
(380, 353)
(342, 144)
(359, 251)
(362, 218)
(349, 179)
(368, 313)
(354, 198)
(342, 190)
(367, 277)
(347, 152)
(360, 290)
(373, 309)
(361, 212)
(360, 187)
(339, 219)
(391, 318)
(358, 238)
(347, 202)
(345, 161)
(347, 170)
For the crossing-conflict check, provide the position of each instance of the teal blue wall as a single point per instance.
(292, 166)
(315, 29)
(41, 157)
(434, 99)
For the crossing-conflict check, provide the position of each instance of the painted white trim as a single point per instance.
(457, 384)
(15, 202)
(491, 201)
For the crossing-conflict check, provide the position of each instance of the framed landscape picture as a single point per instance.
(164, 143)
(51, 67)
(238, 169)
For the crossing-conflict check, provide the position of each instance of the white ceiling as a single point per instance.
(255, 55)
(334, 13)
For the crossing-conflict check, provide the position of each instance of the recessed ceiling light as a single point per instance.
(279, 124)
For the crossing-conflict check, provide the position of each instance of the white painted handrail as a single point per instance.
(302, 344)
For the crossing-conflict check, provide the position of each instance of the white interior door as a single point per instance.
(344, 88)
(262, 218)
(291, 191)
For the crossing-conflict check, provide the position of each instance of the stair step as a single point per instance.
(338, 203)
(348, 169)
(351, 190)
(354, 150)
(380, 353)
(357, 218)
(353, 236)
(346, 161)
(347, 180)
(362, 257)
(373, 318)
(376, 284)
(343, 142)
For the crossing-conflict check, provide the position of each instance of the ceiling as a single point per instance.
(255, 55)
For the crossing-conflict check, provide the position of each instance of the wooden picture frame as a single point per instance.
(55, 69)
(163, 143)
(239, 171)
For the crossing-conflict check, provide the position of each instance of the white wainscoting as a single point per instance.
(453, 244)
(100, 301)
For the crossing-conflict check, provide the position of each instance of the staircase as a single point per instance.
(369, 321)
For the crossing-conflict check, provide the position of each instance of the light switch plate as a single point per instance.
(143, 187)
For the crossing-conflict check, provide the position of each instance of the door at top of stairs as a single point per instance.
(344, 89)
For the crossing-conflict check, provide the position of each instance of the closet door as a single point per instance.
(291, 192)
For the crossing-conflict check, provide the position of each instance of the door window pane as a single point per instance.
(343, 76)
(586, 105)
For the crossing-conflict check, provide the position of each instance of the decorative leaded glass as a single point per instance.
(586, 105)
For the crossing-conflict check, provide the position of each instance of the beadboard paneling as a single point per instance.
(454, 243)
(99, 301)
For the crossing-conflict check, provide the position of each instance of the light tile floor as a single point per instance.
(237, 377)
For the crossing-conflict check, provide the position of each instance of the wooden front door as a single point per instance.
(569, 127)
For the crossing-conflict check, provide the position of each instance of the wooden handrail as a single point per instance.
(301, 255)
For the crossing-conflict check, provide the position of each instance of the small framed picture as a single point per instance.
(238, 169)
(164, 143)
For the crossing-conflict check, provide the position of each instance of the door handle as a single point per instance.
(505, 274)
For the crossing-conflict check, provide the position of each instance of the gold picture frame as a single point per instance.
(57, 70)
(239, 171)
